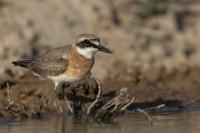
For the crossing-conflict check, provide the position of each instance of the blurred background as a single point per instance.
(155, 42)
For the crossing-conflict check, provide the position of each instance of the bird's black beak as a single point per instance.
(104, 49)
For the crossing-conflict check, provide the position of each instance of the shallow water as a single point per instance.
(172, 123)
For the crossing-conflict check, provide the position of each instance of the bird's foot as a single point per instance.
(96, 100)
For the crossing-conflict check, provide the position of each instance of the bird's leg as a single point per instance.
(57, 100)
(68, 105)
(97, 98)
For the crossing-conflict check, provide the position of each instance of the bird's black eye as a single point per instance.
(87, 41)
(84, 44)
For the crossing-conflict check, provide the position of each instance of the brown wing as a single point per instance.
(51, 63)
(49, 68)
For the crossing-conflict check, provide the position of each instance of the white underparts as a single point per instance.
(62, 78)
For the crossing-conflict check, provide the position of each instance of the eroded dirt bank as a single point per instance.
(30, 97)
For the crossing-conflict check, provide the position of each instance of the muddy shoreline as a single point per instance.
(29, 97)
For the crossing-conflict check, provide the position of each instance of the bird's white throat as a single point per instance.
(87, 52)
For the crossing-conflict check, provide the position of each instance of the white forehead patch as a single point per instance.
(96, 43)
(87, 52)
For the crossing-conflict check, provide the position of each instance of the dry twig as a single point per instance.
(10, 102)
(115, 106)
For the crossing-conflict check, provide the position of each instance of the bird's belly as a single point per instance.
(63, 78)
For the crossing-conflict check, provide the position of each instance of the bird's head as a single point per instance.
(88, 44)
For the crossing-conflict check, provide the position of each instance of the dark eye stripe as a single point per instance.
(86, 43)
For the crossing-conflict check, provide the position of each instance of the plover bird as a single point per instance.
(69, 63)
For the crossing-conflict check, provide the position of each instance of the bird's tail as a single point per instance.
(22, 63)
